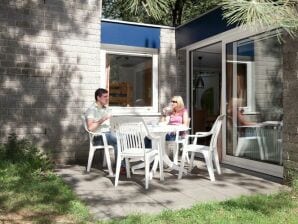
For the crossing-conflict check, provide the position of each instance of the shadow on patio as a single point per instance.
(105, 201)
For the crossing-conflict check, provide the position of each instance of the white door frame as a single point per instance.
(228, 37)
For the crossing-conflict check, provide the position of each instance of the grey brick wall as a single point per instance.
(268, 79)
(290, 104)
(49, 69)
(181, 73)
(170, 83)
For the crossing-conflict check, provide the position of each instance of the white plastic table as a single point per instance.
(161, 131)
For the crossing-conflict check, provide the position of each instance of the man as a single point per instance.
(98, 119)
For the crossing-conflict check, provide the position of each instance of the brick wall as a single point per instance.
(181, 73)
(268, 79)
(290, 105)
(49, 63)
(167, 74)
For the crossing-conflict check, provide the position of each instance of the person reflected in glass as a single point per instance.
(245, 126)
(241, 118)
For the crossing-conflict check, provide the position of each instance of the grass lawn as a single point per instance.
(278, 208)
(36, 196)
(31, 193)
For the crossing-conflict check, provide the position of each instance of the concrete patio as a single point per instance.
(106, 202)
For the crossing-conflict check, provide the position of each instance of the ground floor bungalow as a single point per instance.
(51, 68)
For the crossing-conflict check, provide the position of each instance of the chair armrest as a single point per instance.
(96, 134)
(177, 139)
(257, 125)
(188, 137)
(203, 134)
(153, 137)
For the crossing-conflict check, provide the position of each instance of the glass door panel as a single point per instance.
(254, 98)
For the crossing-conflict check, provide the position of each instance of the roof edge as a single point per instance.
(201, 15)
(137, 24)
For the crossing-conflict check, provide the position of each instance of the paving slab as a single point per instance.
(105, 201)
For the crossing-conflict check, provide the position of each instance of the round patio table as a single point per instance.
(161, 131)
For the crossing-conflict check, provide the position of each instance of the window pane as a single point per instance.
(254, 98)
(130, 80)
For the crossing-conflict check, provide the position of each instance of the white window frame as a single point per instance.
(250, 99)
(133, 51)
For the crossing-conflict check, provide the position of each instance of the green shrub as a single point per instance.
(24, 152)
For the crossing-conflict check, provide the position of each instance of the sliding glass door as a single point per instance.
(254, 107)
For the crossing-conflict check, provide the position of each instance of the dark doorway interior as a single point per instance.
(206, 73)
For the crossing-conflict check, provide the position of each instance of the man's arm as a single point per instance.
(92, 124)
(243, 120)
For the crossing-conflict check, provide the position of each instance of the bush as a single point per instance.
(23, 151)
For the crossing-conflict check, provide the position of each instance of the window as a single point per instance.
(132, 81)
(244, 80)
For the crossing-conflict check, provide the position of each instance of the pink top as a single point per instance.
(177, 118)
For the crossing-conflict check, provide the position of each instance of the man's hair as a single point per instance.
(99, 92)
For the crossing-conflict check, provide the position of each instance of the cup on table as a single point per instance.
(168, 109)
(162, 123)
(154, 123)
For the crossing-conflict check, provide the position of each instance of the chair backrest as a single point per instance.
(84, 123)
(216, 130)
(215, 123)
(130, 132)
(188, 121)
(117, 120)
(178, 139)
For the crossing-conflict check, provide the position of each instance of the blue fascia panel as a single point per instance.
(208, 25)
(130, 35)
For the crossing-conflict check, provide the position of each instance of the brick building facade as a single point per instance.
(50, 66)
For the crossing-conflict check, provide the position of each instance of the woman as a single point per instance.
(176, 115)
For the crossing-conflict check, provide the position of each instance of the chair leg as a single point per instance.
(192, 157)
(161, 168)
(154, 167)
(118, 166)
(209, 164)
(104, 162)
(187, 158)
(216, 161)
(90, 158)
(240, 148)
(187, 155)
(108, 160)
(127, 167)
(147, 174)
(136, 167)
(184, 154)
(175, 153)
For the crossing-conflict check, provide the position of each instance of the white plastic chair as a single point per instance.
(244, 142)
(93, 148)
(202, 134)
(131, 133)
(179, 140)
(209, 152)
